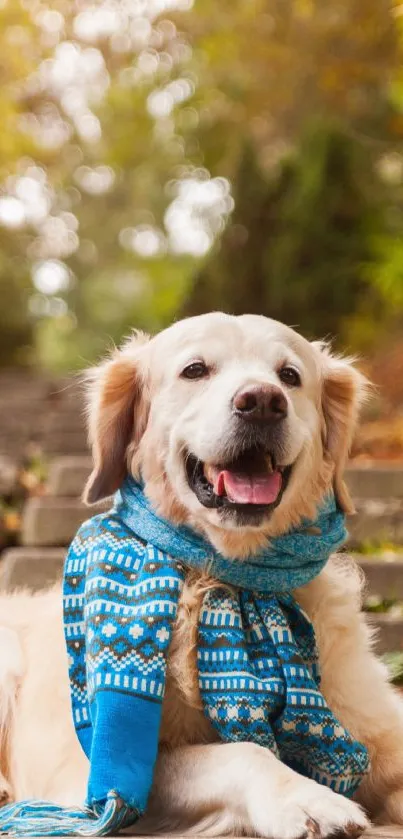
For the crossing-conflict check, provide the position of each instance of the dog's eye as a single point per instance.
(195, 370)
(290, 376)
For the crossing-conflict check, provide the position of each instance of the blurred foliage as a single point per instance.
(373, 548)
(25, 479)
(297, 244)
(167, 157)
(394, 663)
(381, 437)
(376, 605)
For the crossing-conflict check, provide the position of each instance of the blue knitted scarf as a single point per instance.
(257, 658)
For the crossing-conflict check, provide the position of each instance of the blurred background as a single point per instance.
(162, 158)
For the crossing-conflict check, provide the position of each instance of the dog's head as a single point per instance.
(237, 425)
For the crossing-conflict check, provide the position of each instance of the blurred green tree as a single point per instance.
(297, 242)
(127, 128)
(19, 56)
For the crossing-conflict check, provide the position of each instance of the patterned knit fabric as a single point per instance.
(257, 659)
(259, 681)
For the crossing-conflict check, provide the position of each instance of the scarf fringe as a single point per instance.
(40, 818)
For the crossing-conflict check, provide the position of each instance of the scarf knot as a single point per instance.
(257, 660)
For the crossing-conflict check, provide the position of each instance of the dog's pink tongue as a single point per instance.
(248, 489)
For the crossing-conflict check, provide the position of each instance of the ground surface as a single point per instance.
(384, 832)
(388, 832)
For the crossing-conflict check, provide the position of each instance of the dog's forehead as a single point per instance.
(219, 333)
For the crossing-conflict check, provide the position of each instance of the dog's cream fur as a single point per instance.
(143, 415)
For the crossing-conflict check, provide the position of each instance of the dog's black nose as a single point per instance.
(260, 403)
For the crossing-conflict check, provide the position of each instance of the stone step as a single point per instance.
(383, 485)
(364, 483)
(36, 568)
(32, 568)
(386, 831)
(8, 474)
(62, 441)
(52, 522)
(385, 581)
(372, 480)
(33, 408)
(376, 521)
(68, 475)
(59, 441)
(384, 578)
(66, 420)
(389, 636)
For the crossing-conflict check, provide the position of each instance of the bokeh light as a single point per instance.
(160, 156)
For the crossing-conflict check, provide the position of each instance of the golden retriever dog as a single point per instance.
(181, 407)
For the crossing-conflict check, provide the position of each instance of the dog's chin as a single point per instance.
(243, 491)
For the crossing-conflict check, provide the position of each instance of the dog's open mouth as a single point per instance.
(252, 482)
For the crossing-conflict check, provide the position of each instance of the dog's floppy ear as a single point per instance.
(344, 390)
(117, 415)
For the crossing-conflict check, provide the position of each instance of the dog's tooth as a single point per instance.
(206, 471)
(210, 472)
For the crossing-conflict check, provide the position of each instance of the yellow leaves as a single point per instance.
(395, 124)
(330, 80)
(18, 42)
(29, 480)
(18, 60)
(288, 60)
(304, 8)
(397, 9)
(12, 521)
(382, 439)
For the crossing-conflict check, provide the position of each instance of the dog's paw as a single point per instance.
(309, 811)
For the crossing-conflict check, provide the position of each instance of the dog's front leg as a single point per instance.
(11, 670)
(242, 788)
(355, 684)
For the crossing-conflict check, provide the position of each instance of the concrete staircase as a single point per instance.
(36, 409)
(48, 526)
(50, 522)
